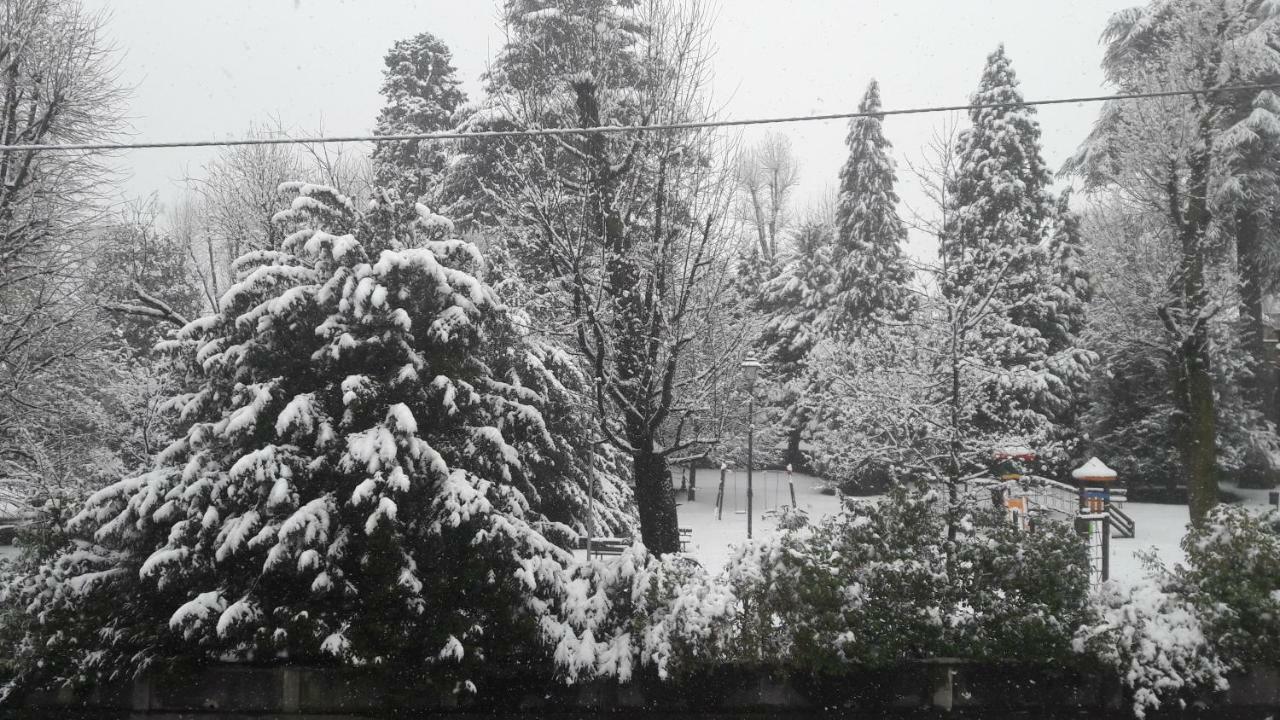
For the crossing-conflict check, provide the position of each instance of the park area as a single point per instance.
(713, 537)
(415, 394)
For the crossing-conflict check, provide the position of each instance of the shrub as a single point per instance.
(1233, 577)
(879, 584)
(1155, 640)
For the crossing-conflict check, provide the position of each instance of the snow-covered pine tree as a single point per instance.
(791, 302)
(997, 244)
(869, 271)
(353, 476)
(422, 94)
(1062, 321)
(1000, 201)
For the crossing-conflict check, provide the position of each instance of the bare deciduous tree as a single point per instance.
(766, 176)
(632, 228)
(57, 85)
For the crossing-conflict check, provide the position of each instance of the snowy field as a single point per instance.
(713, 540)
(1159, 527)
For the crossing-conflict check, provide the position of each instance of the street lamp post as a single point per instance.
(591, 496)
(750, 371)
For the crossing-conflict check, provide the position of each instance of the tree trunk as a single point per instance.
(794, 457)
(656, 500)
(1194, 392)
(1263, 385)
(1198, 433)
(635, 304)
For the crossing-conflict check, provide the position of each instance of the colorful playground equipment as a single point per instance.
(1093, 503)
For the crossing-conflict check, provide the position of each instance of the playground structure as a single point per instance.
(771, 506)
(1093, 505)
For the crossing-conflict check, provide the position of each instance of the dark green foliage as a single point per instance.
(1233, 576)
(422, 96)
(873, 586)
(359, 475)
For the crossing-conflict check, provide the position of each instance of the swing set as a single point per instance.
(776, 475)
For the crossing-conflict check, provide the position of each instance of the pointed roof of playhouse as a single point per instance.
(1094, 469)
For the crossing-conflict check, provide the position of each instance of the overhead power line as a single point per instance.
(614, 129)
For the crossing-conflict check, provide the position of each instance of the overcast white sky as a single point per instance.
(211, 69)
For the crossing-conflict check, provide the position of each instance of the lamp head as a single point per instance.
(751, 370)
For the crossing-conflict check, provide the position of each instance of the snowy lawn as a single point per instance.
(1161, 528)
(713, 540)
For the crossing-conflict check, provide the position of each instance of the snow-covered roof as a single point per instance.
(1021, 452)
(1094, 469)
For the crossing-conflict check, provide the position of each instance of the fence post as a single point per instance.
(1106, 547)
(792, 485)
(720, 493)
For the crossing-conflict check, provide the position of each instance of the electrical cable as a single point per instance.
(613, 129)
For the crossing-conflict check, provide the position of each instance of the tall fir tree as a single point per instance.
(422, 95)
(1000, 200)
(791, 302)
(998, 244)
(870, 273)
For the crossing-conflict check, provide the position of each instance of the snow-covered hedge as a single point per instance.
(878, 584)
(1180, 631)
(1155, 640)
(1233, 576)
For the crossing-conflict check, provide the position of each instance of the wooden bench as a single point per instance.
(603, 546)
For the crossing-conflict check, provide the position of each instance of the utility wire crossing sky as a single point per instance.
(605, 129)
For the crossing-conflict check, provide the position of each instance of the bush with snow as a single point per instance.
(1180, 631)
(879, 584)
(1155, 639)
(1233, 576)
(665, 614)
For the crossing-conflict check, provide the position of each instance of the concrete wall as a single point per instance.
(929, 689)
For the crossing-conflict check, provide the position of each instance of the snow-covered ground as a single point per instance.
(1156, 527)
(1159, 527)
(713, 540)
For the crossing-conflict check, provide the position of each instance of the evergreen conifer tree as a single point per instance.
(998, 244)
(791, 301)
(870, 272)
(361, 472)
(422, 95)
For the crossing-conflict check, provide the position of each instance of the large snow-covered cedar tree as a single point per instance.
(358, 475)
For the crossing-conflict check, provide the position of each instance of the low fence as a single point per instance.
(939, 688)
